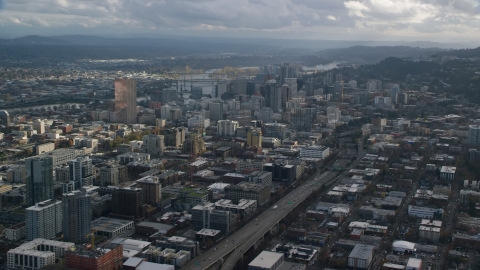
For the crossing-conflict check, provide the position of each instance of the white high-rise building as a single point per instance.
(198, 121)
(44, 220)
(81, 172)
(474, 135)
(227, 127)
(39, 126)
(333, 114)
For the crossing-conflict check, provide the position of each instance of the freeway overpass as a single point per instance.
(235, 245)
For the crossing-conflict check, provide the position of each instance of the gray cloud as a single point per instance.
(319, 18)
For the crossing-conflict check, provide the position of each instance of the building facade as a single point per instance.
(39, 179)
(44, 220)
(126, 100)
(77, 216)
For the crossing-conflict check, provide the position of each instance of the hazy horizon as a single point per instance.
(442, 21)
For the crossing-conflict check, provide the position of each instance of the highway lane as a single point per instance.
(246, 236)
(296, 197)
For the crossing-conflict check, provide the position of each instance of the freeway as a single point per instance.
(246, 237)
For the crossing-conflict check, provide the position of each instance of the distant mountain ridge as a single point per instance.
(170, 40)
(35, 40)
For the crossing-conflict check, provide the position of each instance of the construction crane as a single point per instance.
(341, 82)
(92, 238)
(92, 234)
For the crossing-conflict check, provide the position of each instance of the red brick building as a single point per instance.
(108, 257)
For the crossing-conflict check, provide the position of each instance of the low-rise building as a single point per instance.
(111, 227)
(36, 254)
(315, 152)
(16, 232)
(448, 173)
(109, 256)
(425, 212)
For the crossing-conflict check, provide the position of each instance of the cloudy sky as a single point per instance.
(425, 20)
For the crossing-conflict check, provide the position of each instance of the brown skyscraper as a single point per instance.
(126, 100)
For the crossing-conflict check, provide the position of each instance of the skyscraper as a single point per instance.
(216, 110)
(77, 216)
(39, 179)
(126, 100)
(273, 96)
(81, 172)
(286, 71)
(292, 85)
(395, 91)
(44, 220)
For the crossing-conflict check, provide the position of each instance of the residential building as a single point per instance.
(431, 234)
(44, 220)
(126, 100)
(275, 130)
(469, 196)
(131, 157)
(81, 172)
(36, 254)
(361, 256)
(194, 145)
(77, 216)
(226, 127)
(474, 135)
(216, 110)
(16, 232)
(198, 121)
(383, 101)
(333, 114)
(174, 136)
(128, 203)
(39, 179)
(151, 189)
(112, 174)
(153, 144)
(16, 174)
(254, 137)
